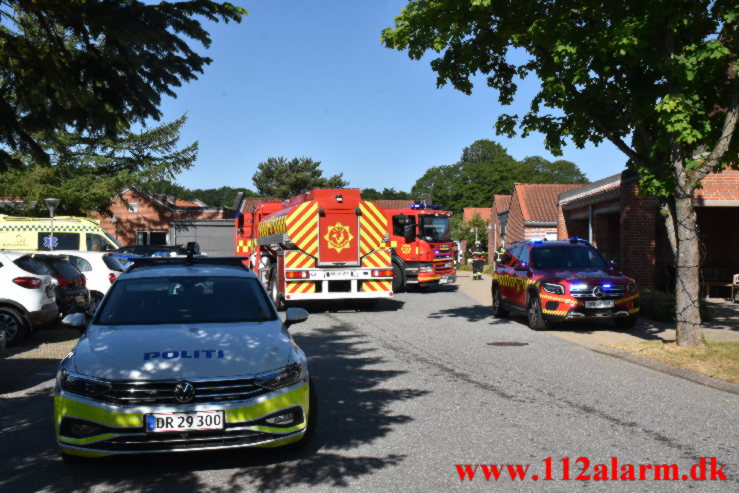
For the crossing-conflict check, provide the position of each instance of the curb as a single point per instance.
(704, 380)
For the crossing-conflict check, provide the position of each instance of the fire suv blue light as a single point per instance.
(607, 286)
(578, 287)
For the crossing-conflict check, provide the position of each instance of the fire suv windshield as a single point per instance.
(567, 257)
(435, 228)
(184, 300)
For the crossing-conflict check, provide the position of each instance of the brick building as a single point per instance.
(142, 218)
(628, 228)
(532, 211)
(498, 220)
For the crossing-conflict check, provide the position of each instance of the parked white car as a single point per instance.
(100, 268)
(26, 296)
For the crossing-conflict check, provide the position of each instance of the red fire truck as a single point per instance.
(422, 246)
(325, 244)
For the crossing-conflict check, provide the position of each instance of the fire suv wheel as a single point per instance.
(498, 310)
(398, 278)
(13, 324)
(536, 320)
(625, 322)
(274, 291)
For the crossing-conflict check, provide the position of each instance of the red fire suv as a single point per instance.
(562, 280)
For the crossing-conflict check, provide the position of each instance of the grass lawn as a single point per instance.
(718, 360)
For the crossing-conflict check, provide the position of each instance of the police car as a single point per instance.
(183, 354)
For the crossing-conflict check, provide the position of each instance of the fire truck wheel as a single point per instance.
(398, 278)
(274, 291)
(498, 310)
(536, 320)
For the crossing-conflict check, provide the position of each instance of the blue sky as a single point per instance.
(311, 78)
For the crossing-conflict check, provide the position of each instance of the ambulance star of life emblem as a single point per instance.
(338, 237)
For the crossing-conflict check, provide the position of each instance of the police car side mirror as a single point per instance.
(294, 315)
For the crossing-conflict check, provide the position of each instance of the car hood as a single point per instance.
(180, 351)
(588, 276)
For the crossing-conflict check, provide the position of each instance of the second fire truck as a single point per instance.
(423, 250)
(326, 244)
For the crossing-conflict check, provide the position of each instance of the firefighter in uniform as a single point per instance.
(478, 259)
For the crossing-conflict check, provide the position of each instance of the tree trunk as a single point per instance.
(687, 263)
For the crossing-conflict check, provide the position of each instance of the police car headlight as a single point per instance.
(84, 386)
(283, 377)
(553, 288)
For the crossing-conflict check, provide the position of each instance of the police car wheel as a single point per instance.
(498, 310)
(312, 420)
(536, 320)
(13, 324)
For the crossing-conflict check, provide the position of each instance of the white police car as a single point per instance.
(183, 354)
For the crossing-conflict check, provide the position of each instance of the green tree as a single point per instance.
(484, 169)
(93, 66)
(658, 79)
(280, 178)
(464, 230)
(386, 193)
(85, 172)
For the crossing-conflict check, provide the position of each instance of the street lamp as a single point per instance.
(114, 220)
(474, 230)
(52, 204)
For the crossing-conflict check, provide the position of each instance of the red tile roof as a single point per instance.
(469, 212)
(185, 203)
(539, 201)
(501, 202)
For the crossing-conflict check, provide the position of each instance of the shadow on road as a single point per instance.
(353, 409)
(473, 313)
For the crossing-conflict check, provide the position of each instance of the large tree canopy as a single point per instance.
(86, 172)
(656, 78)
(93, 65)
(484, 169)
(278, 177)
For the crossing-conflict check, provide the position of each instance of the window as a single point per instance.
(568, 257)
(133, 207)
(185, 300)
(62, 241)
(399, 223)
(524, 255)
(30, 264)
(82, 264)
(435, 228)
(97, 243)
(151, 237)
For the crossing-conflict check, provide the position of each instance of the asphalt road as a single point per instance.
(406, 391)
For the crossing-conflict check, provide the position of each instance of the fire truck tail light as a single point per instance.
(382, 273)
(297, 274)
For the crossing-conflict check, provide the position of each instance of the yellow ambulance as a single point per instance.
(70, 233)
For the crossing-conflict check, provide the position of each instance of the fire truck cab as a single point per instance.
(422, 246)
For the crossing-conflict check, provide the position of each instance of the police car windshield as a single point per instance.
(435, 228)
(185, 300)
(567, 257)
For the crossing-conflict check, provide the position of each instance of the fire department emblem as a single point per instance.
(338, 237)
(406, 249)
